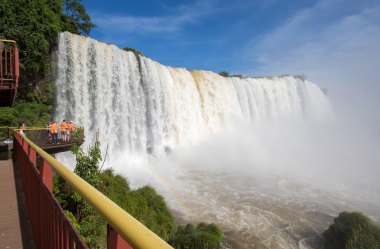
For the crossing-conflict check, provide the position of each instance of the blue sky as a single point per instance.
(335, 43)
(208, 35)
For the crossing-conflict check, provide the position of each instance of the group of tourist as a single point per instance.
(66, 130)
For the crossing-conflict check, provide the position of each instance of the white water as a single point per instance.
(247, 154)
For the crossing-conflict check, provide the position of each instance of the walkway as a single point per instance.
(15, 229)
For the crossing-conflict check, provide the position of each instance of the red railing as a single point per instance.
(50, 225)
(9, 71)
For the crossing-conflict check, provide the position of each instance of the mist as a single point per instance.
(325, 156)
(342, 56)
(253, 179)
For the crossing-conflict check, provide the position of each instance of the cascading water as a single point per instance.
(217, 143)
(139, 105)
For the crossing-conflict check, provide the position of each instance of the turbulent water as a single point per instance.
(244, 153)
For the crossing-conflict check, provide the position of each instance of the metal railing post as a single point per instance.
(114, 240)
(46, 174)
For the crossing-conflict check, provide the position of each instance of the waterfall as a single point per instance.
(272, 183)
(140, 106)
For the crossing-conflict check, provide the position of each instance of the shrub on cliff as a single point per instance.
(202, 237)
(352, 231)
(224, 74)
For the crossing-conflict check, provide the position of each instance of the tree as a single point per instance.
(35, 25)
(90, 225)
(87, 167)
(78, 21)
(32, 113)
(34, 28)
(352, 231)
(224, 74)
(87, 164)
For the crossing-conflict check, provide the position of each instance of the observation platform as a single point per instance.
(41, 139)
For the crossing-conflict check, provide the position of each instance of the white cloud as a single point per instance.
(129, 24)
(338, 51)
(307, 33)
(168, 23)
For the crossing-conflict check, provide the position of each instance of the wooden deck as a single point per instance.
(15, 229)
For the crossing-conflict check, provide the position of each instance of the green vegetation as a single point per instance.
(227, 74)
(301, 77)
(150, 208)
(35, 26)
(89, 224)
(76, 19)
(224, 74)
(352, 231)
(34, 112)
(136, 52)
(78, 134)
(203, 236)
(238, 76)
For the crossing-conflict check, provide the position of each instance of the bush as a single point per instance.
(202, 237)
(135, 51)
(352, 231)
(150, 209)
(78, 134)
(114, 186)
(224, 74)
(33, 114)
(238, 76)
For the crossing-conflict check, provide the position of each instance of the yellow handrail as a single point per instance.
(3, 40)
(135, 233)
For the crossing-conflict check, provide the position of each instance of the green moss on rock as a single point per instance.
(352, 231)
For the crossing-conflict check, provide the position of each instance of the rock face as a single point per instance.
(352, 231)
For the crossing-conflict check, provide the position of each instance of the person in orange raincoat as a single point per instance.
(54, 132)
(71, 126)
(64, 130)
